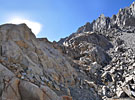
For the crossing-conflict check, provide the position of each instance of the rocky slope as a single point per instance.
(29, 70)
(104, 52)
(95, 63)
(32, 69)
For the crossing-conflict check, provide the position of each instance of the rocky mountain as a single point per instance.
(125, 17)
(95, 63)
(32, 69)
(104, 52)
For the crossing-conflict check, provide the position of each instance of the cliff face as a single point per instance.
(95, 63)
(125, 17)
(31, 68)
(104, 51)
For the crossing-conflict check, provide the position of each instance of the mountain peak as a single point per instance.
(95, 63)
(102, 15)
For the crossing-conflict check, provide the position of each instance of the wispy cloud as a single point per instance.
(35, 26)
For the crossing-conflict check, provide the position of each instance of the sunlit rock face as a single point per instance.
(103, 53)
(31, 68)
(95, 63)
(31, 60)
(125, 17)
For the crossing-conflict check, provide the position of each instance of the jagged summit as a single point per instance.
(105, 51)
(125, 17)
(95, 63)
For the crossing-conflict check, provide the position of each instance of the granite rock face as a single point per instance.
(103, 53)
(31, 68)
(90, 45)
(95, 63)
(125, 17)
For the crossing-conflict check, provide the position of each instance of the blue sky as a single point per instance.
(58, 18)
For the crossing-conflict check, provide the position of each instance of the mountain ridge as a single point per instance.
(95, 63)
(103, 23)
(114, 64)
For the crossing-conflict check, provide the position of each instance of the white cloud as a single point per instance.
(35, 26)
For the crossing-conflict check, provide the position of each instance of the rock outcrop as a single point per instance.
(104, 52)
(95, 63)
(125, 17)
(32, 69)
